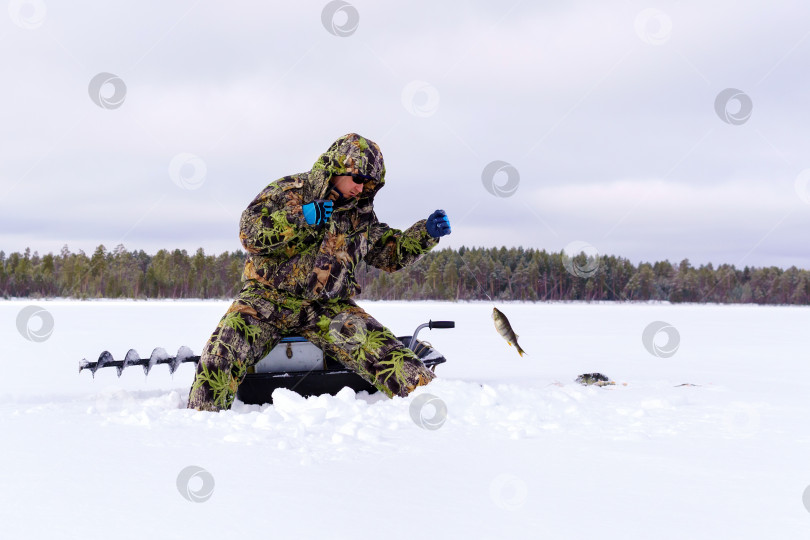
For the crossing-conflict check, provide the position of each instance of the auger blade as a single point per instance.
(104, 359)
(183, 355)
(130, 359)
(158, 356)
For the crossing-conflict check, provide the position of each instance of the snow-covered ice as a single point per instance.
(525, 452)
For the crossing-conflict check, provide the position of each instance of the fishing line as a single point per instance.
(476, 279)
(495, 311)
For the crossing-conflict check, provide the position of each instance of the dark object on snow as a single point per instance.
(597, 379)
(295, 364)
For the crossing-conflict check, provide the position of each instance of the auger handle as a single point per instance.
(441, 324)
(430, 325)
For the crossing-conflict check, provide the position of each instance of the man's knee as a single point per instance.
(226, 357)
(400, 372)
(215, 382)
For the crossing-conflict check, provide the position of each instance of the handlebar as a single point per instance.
(441, 324)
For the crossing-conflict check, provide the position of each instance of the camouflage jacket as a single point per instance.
(318, 262)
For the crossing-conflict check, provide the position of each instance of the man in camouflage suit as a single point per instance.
(305, 235)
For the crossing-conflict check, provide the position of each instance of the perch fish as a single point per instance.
(505, 329)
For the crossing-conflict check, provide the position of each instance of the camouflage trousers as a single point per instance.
(260, 316)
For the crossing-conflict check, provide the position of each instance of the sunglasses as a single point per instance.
(362, 178)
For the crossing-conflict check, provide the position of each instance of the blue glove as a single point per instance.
(438, 224)
(318, 211)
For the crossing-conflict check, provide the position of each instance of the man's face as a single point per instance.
(346, 186)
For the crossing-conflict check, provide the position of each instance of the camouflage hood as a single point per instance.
(349, 155)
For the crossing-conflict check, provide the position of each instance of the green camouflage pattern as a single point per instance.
(289, 255)
(260, 316)
(299, 280)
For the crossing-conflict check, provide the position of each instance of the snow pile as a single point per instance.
(328, 427)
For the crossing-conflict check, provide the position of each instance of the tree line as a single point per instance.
(120, 274)
(447, 274)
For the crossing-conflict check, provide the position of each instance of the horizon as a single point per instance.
(192, 252)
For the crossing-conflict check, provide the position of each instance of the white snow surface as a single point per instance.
(525, 452)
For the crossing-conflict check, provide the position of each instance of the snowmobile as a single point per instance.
(295, 363)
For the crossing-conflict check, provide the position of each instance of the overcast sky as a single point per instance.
(611, 121)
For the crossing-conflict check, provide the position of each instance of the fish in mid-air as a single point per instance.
(505, 329)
